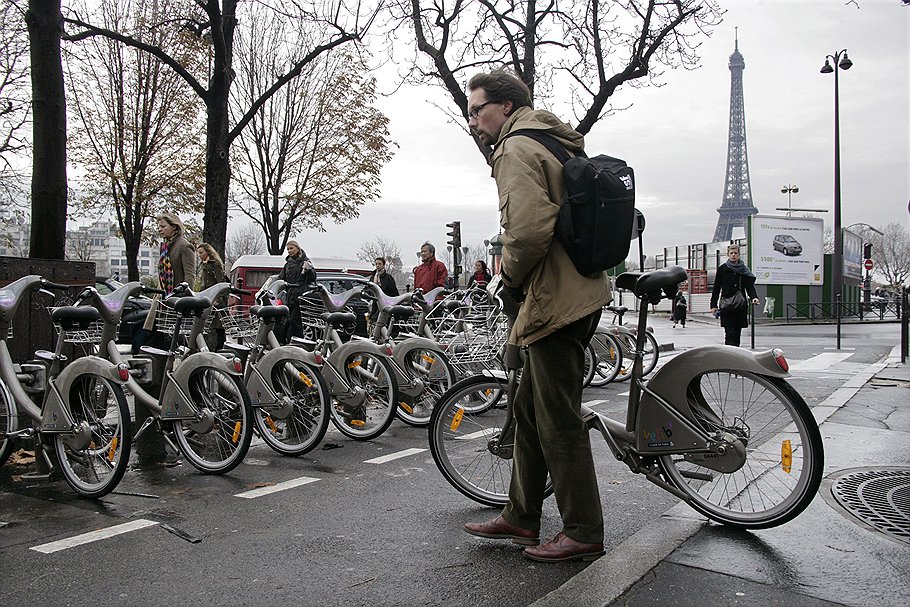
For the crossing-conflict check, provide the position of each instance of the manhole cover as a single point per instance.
(879, 498)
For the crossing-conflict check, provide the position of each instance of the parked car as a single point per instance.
(787, 245)
(134, 313)
(251, 271)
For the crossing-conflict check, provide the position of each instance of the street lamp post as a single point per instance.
(789, 190)
(841, 62)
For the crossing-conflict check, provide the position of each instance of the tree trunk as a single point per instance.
(49, 192)
(217, 176)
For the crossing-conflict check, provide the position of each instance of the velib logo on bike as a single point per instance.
(653, 436)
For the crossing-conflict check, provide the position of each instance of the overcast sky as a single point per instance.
(675, 136)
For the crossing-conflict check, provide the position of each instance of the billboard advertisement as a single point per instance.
(786, 250)
(853, 255)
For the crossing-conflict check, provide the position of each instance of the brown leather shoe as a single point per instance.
(500, 529)
(564, 548)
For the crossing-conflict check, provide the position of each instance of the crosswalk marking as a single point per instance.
(820, 362)
(391, 456)
(478, 434)
(260, 491)
(93, 536)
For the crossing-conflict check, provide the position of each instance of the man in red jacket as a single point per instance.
(431, 272)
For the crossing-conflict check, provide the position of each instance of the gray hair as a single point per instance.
(429, 246)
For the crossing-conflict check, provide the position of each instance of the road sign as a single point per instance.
(867, 264)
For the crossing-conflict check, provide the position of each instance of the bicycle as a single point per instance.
(422, 370)
(200, 405)
(626, 337)
(83, 414)
(717, 426)
(603, 359)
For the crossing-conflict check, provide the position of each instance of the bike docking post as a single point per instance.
(905, 323)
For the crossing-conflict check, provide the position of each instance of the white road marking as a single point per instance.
(93, 536)
(820, 361)
(260, 491)
(593, 403)
(478, 434)
(392, 456)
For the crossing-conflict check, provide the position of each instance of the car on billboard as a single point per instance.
(787, 245)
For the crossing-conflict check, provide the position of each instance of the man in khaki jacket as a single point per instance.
(560, 313)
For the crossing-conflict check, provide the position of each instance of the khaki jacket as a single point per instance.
(530, 184)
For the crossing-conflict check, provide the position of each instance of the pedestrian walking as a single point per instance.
(555, 322)
(430, 272)
(734, 285)
(211, 272)
(297, 271)
(176, 265)
(680, 309)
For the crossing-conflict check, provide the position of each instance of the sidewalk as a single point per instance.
(825, 557)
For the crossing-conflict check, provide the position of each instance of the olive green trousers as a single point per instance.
(550, 437)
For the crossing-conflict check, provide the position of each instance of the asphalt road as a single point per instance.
(346, 529)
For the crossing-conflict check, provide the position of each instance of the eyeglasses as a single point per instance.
(476, 111)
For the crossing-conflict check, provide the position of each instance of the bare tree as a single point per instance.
(79, 246)
(314, 149)
(587, 48)
(140, 140)
(217, 21)
(386, 248)
(891, 253)
(245, 240)
(14, 102)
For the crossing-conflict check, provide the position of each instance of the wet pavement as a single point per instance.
(826, 556)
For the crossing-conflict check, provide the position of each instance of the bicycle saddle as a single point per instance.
(401, 311)
(645, 283)
(267, 312)
(75, 317)
(191, 304)
(618, 309)
(337, 319)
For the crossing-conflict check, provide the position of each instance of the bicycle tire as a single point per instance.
(609, 359)
(219, 447)
(298, 430)
(590, 366)
(374, 375)
(432, 368)
(652, 351)
(9, 422)
(783, 454)
(459, 442)
(99, 406)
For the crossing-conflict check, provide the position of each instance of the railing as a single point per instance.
(825, 312)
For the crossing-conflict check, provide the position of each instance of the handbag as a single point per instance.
(733, 304)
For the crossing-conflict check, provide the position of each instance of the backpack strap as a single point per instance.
(546, 140)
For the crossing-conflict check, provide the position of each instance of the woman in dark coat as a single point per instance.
(481, 276)
(732, 276)
(298, 271)
(211, 272)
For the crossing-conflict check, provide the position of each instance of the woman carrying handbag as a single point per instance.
(734, 286)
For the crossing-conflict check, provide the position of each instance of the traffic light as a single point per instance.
(867, 250)
(455, 233)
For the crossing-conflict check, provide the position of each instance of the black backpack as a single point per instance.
(595, 220)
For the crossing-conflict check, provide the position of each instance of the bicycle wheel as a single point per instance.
(8, 422)
(372, 377)
(460, 439)
(774, 467)
(649, 361)
(218, 442)
(93, 460)
(590, 366)
(431, 367)
(609, 359)
(298, 421)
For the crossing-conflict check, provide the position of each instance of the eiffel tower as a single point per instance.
(737, 204)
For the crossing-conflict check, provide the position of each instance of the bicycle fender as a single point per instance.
(258, 386)
(354, 346)
(668, 424)
(437, 368)
(175, 402)
(56, 416)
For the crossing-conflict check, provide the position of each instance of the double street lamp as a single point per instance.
(789, 190)
(841, 62)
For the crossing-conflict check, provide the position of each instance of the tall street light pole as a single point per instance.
(841, 62)
(789, 190)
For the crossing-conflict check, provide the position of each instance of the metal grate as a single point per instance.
(878, 498)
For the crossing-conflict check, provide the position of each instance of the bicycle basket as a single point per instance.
(90, 334)
(166, 318)
(237, 321)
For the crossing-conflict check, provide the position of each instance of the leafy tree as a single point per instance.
(140, 140)
(588, 48)
(314, 149)
(49, 188)
(14, 102)
(218, 21)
